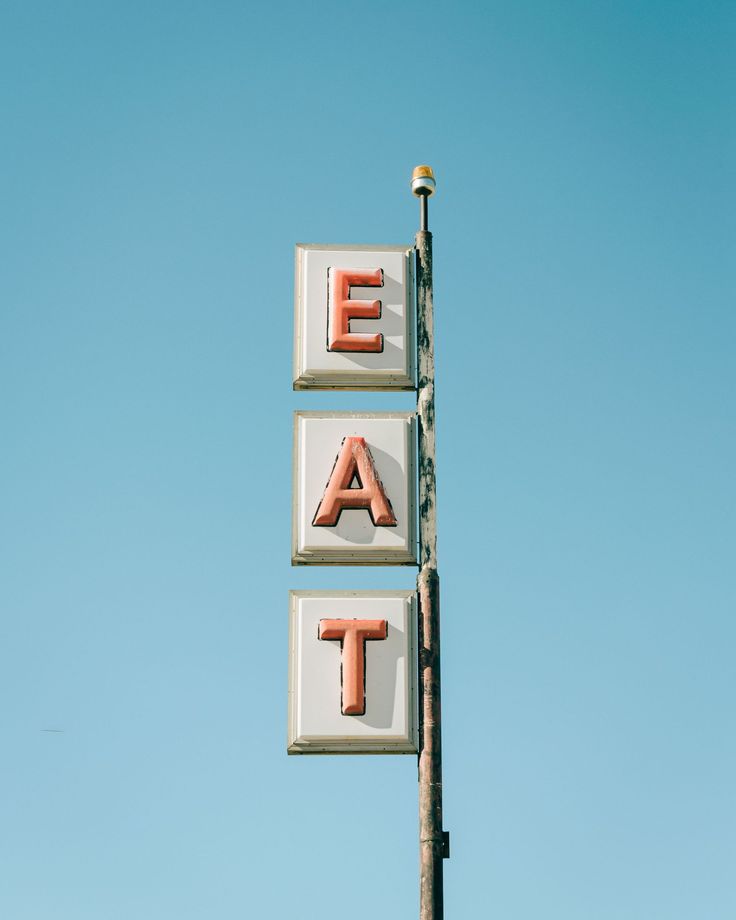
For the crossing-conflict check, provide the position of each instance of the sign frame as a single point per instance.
(370, 556)
(407, 744)
(374, 380)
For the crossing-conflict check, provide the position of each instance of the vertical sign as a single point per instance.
(358, 660)
(352, 656)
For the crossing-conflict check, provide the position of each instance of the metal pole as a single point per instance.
(433, 842)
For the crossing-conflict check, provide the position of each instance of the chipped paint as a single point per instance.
(354, 463)
(432, 846)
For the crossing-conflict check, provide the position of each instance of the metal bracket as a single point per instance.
(445, 844)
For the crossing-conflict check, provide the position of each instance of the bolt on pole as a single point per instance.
(433, 842)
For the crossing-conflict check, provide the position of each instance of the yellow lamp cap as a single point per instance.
(422, 181)
(422, 172)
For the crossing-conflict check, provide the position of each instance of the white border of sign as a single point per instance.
(405, 552)
(363, 742)
(355, 377)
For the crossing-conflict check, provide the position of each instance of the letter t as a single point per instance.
(352, 635)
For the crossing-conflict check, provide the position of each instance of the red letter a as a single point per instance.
(354, 462)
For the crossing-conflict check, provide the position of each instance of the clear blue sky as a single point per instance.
(159, 161)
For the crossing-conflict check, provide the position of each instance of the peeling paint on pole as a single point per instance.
(431, 835)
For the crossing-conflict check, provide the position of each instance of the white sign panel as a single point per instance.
(352, 672)
(354, 318)
(354, 488)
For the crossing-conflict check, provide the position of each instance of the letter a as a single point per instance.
(354, 462)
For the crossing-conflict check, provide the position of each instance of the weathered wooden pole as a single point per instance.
(433, 843)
